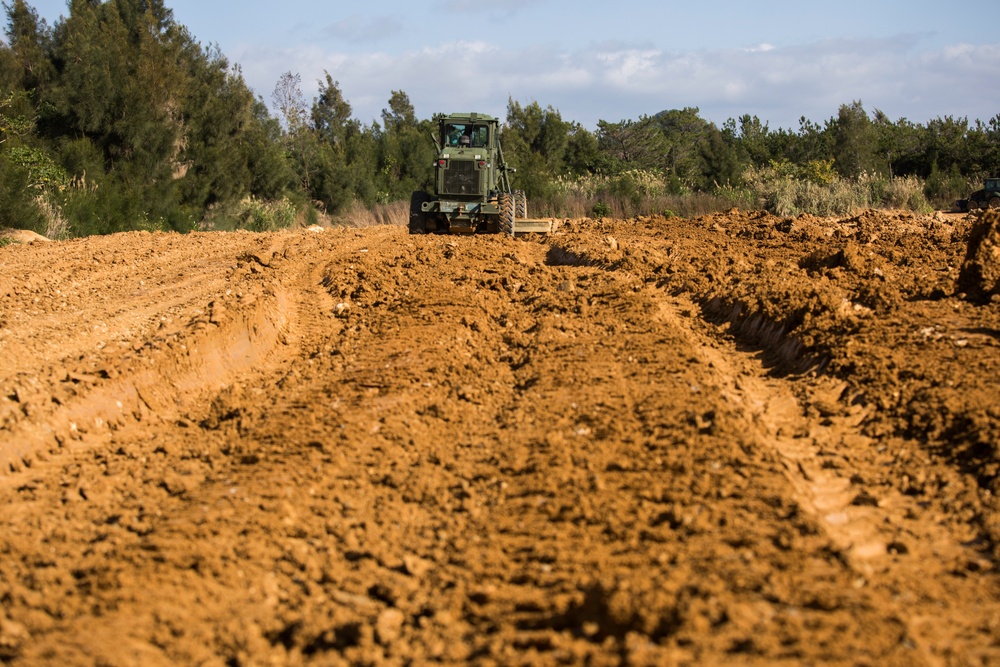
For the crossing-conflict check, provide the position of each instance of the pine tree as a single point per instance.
(335, 182)
(406, 152)
(536, 142)
(853, 141)
(30, 42)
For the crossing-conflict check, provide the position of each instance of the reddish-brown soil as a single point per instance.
(738, 439)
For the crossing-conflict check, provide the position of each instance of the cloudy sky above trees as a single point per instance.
(617, 60)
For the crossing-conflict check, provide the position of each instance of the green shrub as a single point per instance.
(92, 210)
(19, 207)
(905, 193)
(944, 190)
(259, 215)
(601, 210)
(251, 213)
(42, 171)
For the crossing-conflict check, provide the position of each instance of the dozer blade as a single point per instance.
(531, 225)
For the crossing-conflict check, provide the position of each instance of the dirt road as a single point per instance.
(736, 440)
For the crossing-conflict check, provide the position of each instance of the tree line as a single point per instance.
(115, 118)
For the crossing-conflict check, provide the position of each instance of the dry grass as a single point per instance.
(789, 195)
(582, 205)
(358, 215)
(56, 226)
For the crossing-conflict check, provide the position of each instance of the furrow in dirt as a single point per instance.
(820, 429)
(393, 449)
(836, 475)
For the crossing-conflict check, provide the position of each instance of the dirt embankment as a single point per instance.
(733, 440)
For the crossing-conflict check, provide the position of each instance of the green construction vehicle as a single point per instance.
(988, 197)
(472, 190)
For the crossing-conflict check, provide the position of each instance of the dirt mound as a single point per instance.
(738, 439)
(980, 275)
(21, 236)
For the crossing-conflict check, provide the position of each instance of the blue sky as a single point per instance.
(617, 60)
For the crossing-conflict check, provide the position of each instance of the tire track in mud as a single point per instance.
(77, 297)
(73, 384)
(567, 547)
(705, 485)
(137, 494)
(225, 322)
(456, 451)
(917, 568)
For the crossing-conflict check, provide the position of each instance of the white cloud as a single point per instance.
(630, 68)
(506, 9)
(367, 30)
(613, 82)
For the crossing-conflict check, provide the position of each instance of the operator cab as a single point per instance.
(465, 135)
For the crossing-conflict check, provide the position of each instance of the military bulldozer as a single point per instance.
(472, 192)
(988, 197)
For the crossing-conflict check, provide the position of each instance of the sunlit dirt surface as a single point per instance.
(738, 439)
